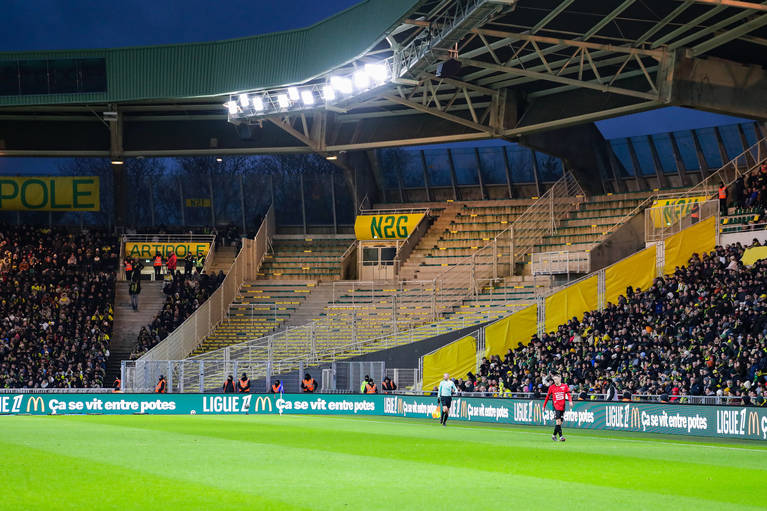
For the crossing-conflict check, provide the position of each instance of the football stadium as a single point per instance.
(392, 254)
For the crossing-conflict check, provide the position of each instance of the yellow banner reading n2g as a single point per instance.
(46, 193)
(668, 211)
(147, 250)
(386, 227)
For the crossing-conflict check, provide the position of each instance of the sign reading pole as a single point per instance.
(46, 193)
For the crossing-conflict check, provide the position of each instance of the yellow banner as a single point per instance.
(386, 227)
(753, 254)
(638, 271)
(45, 193)
(699, 239)
(457, 358)
(668, 211)
(148, 250)
(512, 331)
(571, 302)
(197, 203)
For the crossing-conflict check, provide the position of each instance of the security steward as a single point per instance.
(370, 387)
(117, 385)
(229, 385)
(128, 269)
(309, 384)
(388, 385)
(277, 387)
(243, 384)
(162, 386)
(364, 383)
(157, 265)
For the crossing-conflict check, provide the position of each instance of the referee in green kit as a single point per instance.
(445, 397)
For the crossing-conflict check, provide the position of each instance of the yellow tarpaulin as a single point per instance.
(508, 332)
(571, 301)
(457, 358)
(665, 212)
(700, 239)
(754, 254)
(637, 271)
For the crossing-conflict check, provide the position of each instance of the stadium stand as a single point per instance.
(57, 291)
(309, 258)
(699, 331)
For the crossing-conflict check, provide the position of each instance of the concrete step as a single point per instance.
(128, 323)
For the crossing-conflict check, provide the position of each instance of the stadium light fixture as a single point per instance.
(329, 93)
(117, 162)
(307, 97)
(293, 93)
(331, 157)
(232, 107)
(283, 101)
(361, 80)
(258, 104)
(244, 101)
(377, 72)
(341, 84)
(219, 159)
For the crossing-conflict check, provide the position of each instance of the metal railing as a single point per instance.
(742, 165)
(406, 248)
(187, 336)
(168, 238)
(559, 263)
(664, 221)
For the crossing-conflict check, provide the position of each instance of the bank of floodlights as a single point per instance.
(336, 89)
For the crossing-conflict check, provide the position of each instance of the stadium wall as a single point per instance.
(675, 419)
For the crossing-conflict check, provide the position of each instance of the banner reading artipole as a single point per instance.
(181, 249)
(46, 193)
(386, 227)
(689, 420)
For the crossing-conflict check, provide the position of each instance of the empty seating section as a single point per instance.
(308, 258)
(742, 219)
(584, 228)
(259, 309)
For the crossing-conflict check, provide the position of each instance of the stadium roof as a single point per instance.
(527, 67)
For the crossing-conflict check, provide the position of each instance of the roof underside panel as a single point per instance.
(222, 67)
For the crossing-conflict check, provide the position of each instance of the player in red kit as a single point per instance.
(558, 393)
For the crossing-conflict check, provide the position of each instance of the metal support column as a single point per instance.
(481, 181)
(538, 189)
(242, 205)
(333, 200)
(181, 203)
(425, 176)
(212, 205)
(680, 167)
(452, 173)
(508, 171)
(303, 203)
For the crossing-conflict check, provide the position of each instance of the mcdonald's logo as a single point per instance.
(636, 421)
(753, 423)
(464, 409)
(262, 402)
(537, 412)
(33, 402)
(400, 406)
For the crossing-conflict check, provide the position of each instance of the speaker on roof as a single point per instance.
(449, 69)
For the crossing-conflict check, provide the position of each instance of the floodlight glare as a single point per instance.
(361, 80)
(293, 93)
(328, 93)
(258, 104)
(341, 84)
(282, 99)
(244, 101)
(232, 107)
(307, 97)
(377, 72)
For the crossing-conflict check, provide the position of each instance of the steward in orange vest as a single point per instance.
(388, 385)
(117, 385)
(370, 387)
(309, 384)
(229, 385)
(243, 385)
(722, 199)
(162, 386)
(277, 387)
(157, 266)
(128, 269)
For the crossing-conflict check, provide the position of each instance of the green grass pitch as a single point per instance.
(312, 462)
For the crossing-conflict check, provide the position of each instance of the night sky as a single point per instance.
(60, 24)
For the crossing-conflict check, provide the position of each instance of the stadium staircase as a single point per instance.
(223, 257)
(309, 258)
(128, 323)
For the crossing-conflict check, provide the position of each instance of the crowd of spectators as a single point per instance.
(56, 306)
(184, 293)
(699, 331)
(750, 191)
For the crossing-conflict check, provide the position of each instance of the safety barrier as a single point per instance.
(688, 420)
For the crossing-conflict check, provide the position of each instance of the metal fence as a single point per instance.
(664, 221)
(559, 263)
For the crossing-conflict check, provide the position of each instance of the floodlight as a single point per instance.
(341, 84)
(328, 93)
(361, 80)
(307, 97)
(293, 93)
(377, 72)
(232, 107)
(258, 104)
(282, 99)
(244, 101)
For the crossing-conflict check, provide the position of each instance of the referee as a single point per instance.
(445, 397)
